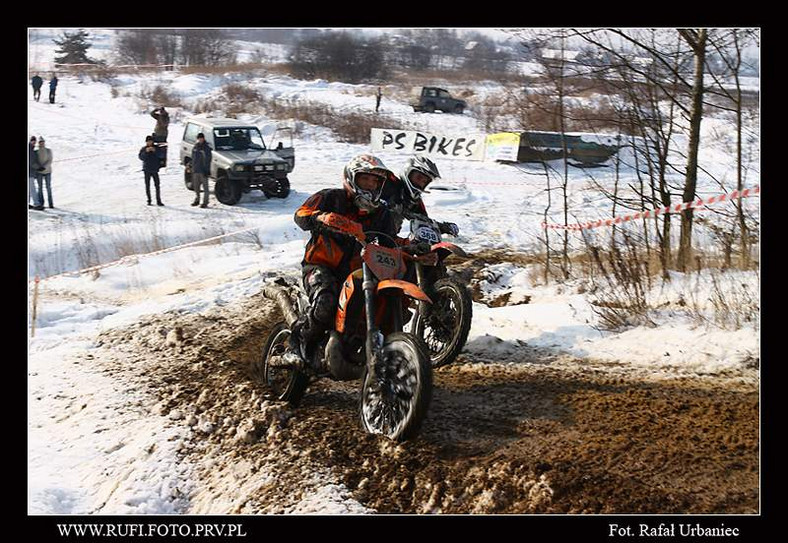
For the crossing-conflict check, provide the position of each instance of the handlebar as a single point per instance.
(343, 225)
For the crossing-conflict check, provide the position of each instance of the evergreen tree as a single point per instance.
(74, 48)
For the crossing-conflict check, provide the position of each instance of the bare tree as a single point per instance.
(206, 47)
(338, 55)
(729, 46)
(697, 40)
(135, 47)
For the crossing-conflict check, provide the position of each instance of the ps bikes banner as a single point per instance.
(463, 147)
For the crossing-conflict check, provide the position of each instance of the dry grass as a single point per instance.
(160, 95)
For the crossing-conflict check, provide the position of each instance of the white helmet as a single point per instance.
(366, 200)
(420, 164)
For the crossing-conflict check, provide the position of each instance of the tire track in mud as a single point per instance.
(531, 437)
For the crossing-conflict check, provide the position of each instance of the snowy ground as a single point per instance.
(97, 444)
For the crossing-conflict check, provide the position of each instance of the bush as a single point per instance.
(161, 96)
(620, 285)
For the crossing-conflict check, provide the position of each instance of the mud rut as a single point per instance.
(549, 434)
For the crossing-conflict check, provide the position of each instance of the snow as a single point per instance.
(96, 445)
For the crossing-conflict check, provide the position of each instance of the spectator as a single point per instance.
(44, 172)
(201, 169)
(150, 167)
(377, 100)
(33, 194)
(162, 124)
(52, 89)
(37, 82)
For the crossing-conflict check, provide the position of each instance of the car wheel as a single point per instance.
(282, 189)
(187, 177)
(227, 191)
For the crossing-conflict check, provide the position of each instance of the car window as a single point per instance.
(238, 139)
(431, 92)
(190, 134)
(444, 94)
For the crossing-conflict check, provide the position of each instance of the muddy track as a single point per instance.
(537, 436)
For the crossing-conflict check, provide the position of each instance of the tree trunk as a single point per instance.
(698, 44)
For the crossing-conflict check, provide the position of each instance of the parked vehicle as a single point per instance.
(444, 324)
(434, 99)
(368, 342)
(241, 161)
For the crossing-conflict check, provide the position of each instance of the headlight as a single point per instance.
(258, 167)
(239, 168)
(269, 167)
(281, 166)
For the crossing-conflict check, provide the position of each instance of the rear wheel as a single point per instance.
(187, 176)
(227, 191)
(446, 322)
(285, 380)
(397, 390)
(282, 189)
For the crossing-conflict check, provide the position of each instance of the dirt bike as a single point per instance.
(367, 342)
(444, 324)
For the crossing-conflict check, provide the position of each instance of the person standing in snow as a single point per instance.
(377, 100)
(150, 167)
(37, 83)
(161, 130)
(52, 89)
(32, 191)
(44, 172)
(201, 169)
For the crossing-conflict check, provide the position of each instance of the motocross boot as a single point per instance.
(303, 341)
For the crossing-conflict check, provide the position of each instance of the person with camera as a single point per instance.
(150, 167)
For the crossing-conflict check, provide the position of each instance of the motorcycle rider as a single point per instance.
(404, 196)
(330, 256)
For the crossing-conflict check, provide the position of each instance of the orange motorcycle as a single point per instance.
(367, 342)
(444, 324)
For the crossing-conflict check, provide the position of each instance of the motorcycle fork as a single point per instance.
(374, 340)
(421, 280)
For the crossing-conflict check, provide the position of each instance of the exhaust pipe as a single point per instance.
(280, 296)
(339, 367)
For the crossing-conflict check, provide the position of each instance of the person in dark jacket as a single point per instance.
(44, 172)
(32, 190)
(201, 169)
(329, 257)
(404, 195)
(150, 167)
(37, 83)
(52, 89)
(161, 130)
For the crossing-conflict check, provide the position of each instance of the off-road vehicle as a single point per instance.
(434, 98)
(241, 161)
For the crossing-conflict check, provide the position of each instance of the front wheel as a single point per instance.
(445, 324)
(227, 191)
(286, 382)
(397, 390)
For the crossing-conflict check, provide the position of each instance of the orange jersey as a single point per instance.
(336, 251)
